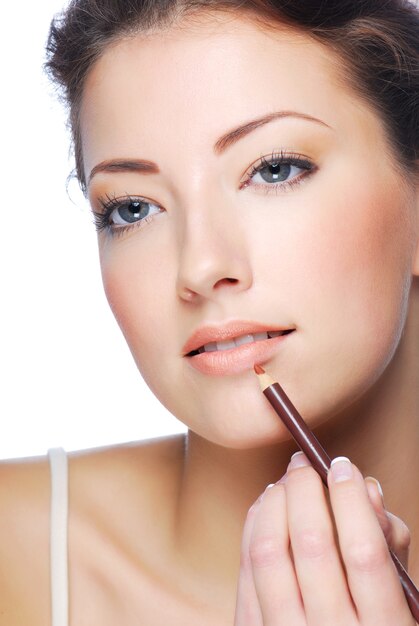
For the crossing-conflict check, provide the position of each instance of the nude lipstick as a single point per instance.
(232, 348)
(321, 462)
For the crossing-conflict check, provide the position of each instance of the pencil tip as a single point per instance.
(258, 369)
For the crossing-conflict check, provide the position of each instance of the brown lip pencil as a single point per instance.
(310, 445)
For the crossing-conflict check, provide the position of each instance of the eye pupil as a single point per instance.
(134, 208)
(276, 172)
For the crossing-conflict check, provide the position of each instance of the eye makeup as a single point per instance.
(276, 161)
(310, 445)
(279, 165)
(134, 213)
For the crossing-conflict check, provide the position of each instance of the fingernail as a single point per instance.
(380, 489)
(341, 469)
(377, 484)
(298, 459)
(262, 494)
(282, 479)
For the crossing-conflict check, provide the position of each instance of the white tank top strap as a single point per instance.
(59, 536)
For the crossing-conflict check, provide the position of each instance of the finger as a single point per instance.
(395, 531)
(248, 611)
(321, 577)
(372, 576)
(398, 538)
(273, 571)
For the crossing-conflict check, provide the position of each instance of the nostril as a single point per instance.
(226, 280)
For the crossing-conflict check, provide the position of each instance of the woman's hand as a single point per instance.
(306, 561)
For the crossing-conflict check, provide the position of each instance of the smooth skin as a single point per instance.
(160, 531)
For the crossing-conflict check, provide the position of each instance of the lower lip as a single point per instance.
(237, 360)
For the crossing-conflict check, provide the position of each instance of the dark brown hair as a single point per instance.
(377, 42)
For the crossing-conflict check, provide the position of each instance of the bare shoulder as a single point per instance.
(24, 541)
(107, 486)
(144, 466)
(115, 491)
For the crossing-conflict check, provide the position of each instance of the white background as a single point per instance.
(67, 377)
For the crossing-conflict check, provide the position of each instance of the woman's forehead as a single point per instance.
(212, 63)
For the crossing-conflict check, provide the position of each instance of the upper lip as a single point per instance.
(235, 328)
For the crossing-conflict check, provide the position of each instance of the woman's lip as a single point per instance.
(227, 331)
(236, 360)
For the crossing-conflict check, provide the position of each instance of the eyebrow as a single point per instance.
(222, 144)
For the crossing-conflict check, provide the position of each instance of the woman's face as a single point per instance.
(323, 242)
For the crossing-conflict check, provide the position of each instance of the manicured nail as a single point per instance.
(298, 459)
(341, 469)
(262, 494)
(380, 489)
(377, 484)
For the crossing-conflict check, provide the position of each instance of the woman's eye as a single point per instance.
(279, 172)
(119, 214)
(129, 212)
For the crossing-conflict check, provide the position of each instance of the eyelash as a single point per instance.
(279, 158)
(109, 204)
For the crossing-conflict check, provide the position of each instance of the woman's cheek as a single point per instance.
(135, 288)
(358, 280)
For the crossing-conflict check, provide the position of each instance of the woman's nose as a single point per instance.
(213, 257)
